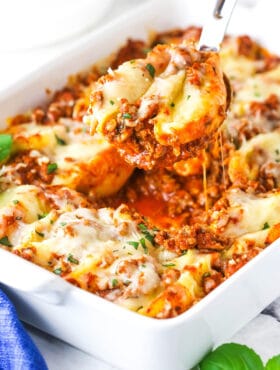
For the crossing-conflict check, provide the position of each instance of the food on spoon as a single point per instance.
(163, 108)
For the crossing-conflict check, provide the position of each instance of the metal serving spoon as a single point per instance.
(215, 26)
(214, 31)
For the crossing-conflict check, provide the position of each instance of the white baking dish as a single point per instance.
(120, 337)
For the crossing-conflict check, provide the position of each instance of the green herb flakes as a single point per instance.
(146, 50)
(58, 271)
(39, 233)
(51, 168)
(6, 142)
(143, 244)
(114, 283)
(71, 259)
(150, 237)
(43, 215)
(142, 227)
(133, 244)
(206, 275)
(169, 264)
(5, 241)
(127, 115)
(60, 141)
(112, 102)
(266, 226)
(15, 201)
(151, 69)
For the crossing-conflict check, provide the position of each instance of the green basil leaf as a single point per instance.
(5, 146)
(273, 363)
(232, 356)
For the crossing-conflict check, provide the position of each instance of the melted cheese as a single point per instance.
(178, 90)
(84, 162)
(262, 150)
(105, 251)
(250, 213)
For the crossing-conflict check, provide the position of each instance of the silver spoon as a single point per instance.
(213, 33)
(215, 26)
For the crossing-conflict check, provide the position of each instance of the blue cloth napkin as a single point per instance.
(17, 350)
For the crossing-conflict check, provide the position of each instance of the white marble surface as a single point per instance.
(262, 333)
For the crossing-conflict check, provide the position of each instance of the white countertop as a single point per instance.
(262, 333)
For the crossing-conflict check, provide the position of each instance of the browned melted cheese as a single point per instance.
(154, 241)
(161, 108)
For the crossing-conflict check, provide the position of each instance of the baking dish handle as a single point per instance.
(21, 275)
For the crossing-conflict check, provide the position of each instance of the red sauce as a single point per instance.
(156, 210)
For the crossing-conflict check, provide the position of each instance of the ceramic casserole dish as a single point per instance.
(122, 338)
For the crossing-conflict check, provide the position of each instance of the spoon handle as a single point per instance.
(215, 26)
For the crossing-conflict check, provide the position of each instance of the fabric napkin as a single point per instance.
(17, 350)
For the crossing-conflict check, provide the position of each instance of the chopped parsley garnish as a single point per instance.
(149, 237)
(146, 50)
(142, 227)
(134, 244)
(112, 102)
(188, 97)
(151, 69)
(72, 259)
(277, 151)
(60, 141)
(63, 223)
(5, 241)
(143, 244)
(52, 167)
(58, 271)
(266, 226)
(172, 105)
(43, 215)
(39, 233)
(206, 274)
(15, 201)
(257, 94)
(6, 142)
(169, 264)
(114, 283)
(147, 233)
(127, 115)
